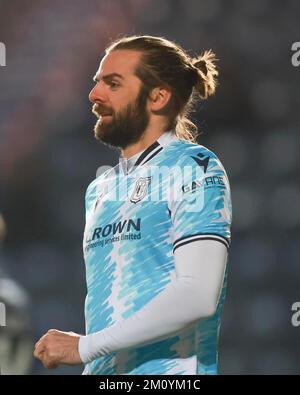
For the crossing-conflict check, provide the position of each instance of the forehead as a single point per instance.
(121, 62)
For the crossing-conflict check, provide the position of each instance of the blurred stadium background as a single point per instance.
(48, 156)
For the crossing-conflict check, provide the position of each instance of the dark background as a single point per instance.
(48, 156)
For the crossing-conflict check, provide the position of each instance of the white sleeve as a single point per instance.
(194, 295)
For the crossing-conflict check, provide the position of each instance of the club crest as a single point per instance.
(140, 189)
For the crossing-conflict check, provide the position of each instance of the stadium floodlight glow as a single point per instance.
(2, 54)
(2, 314)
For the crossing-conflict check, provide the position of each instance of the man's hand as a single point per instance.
(57, 347)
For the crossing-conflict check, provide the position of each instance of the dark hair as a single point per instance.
(165, 63)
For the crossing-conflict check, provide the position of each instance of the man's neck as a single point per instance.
(148, 138)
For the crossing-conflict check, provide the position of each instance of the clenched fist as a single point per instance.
(57, 347)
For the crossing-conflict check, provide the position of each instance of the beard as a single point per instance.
(127, 126)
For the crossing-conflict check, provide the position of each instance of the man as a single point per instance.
(156, 239)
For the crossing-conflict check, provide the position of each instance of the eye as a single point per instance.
(114, 85)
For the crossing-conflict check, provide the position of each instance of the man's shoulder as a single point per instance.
(186, 153)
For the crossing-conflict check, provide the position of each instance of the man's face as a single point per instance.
(120, 101)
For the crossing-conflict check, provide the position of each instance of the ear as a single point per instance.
(159, 98)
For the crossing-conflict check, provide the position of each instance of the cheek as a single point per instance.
(123, 99)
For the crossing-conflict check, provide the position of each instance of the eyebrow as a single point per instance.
(108, 77)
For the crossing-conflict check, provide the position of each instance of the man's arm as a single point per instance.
(193, 296)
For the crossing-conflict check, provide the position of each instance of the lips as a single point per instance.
(101, 112)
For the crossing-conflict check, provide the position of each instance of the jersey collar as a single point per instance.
(142, 157)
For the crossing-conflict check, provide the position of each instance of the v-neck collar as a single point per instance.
(142, 157)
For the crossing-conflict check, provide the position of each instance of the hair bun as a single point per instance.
(207, 72)
(201, 65)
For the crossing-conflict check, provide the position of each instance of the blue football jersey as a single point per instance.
(177, 192)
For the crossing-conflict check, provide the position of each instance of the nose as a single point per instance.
(97, 94)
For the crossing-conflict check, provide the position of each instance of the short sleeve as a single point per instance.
(200, 203)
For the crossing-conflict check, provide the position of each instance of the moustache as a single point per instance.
(99, 110)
